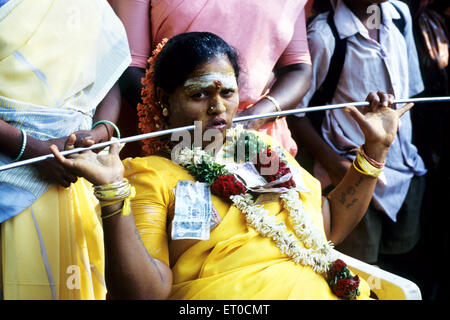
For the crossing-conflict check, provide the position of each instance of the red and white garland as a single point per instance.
(307, 247)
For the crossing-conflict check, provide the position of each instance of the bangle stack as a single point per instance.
(24, 144)
(113, 193)
(366, 165)
(108, 122)
(275, 102)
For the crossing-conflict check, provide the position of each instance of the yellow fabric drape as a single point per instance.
(236, 262)
(54, 249)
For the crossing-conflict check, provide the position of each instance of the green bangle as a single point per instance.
(24, 144)
(108, 122)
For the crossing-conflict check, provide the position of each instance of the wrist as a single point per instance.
(106, 129)
(35, 148)
(376, 151)
(101, 133)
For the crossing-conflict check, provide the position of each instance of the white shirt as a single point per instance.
(390, 65)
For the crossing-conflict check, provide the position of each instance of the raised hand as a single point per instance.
(98, 169)
(378, 122)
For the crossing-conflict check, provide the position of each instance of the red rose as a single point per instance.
(338, 265)
(354, 282)
(268, 159)
(226, 186)
(341, 288)
(347, 288)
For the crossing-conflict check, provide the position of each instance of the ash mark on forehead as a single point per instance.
(213, 79)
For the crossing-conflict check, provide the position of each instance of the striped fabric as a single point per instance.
(42, 123)
(54, 72)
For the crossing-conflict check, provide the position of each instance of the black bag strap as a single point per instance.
(325, 93)
(400, 23)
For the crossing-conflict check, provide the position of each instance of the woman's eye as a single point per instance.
(227, 92)
(198, 95)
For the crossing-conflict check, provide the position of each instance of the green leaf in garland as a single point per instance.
(207, 171)
(251, 144)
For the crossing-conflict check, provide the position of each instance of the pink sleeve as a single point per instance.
(135, 16)
(297, 50)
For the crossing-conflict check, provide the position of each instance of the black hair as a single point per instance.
(183, 53)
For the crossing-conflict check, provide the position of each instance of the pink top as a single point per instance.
(267, 34)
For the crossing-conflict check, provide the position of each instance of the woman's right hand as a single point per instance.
(99, 169)
(379, 123)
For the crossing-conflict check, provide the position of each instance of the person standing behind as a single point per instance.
(59, 66)
(270, 37)
(379, 56)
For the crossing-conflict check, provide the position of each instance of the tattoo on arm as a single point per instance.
(349, 192)
(152, 260)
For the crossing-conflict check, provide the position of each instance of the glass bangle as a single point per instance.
(108, 122)
(24, 144)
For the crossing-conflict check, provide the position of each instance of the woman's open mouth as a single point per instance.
(217, 123)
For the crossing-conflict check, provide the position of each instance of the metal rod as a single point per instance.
(192, 127)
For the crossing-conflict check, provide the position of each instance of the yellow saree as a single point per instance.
(236, 262)
(58, 60)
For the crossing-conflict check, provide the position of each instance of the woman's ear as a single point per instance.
(162, 97)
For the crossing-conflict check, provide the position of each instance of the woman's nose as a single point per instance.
(217, 106)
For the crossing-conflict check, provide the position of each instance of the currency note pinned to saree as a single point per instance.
(192, 214)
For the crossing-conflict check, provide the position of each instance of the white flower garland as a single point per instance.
(315, 252)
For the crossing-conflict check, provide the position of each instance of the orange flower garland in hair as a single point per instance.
(149, 112)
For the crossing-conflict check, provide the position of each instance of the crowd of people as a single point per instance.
(128, 222)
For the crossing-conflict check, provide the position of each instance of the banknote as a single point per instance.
(247, 174)
(193, 207)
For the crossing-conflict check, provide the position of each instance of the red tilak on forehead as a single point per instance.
(217, 83)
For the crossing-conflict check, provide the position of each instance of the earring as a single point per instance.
(165, 111)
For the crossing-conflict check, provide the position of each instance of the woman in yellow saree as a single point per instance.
(176, 244)
(59, 64)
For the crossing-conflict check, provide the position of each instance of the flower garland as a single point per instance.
(316, 252)
(149, 112)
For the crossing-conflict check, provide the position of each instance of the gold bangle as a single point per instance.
(357, 169)
(114, 193)
(367, 167)
(275, 102)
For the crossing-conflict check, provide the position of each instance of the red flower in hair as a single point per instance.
(226, 186)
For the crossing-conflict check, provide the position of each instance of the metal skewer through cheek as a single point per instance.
(192, 127)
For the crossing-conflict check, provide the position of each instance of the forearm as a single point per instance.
(350, 199)
(108, 109)
(291, 85)
(348, 202)
(11, 142)
(131, 273)
(288, 90)
(10, 139)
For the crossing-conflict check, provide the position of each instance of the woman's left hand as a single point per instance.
(99, 169)
(379, 123)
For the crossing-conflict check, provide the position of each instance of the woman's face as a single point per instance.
(209, 95)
